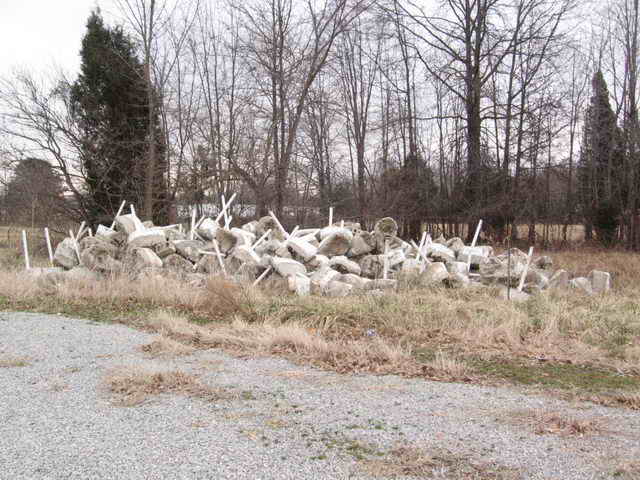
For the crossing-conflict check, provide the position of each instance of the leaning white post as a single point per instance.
(193, 223)
(262, 275)
(385, 264)
(420, 253)
(290, 235)
(526, 269)
(49, 249)
(227, 221)
(133, 210)
(75, 246)
(219, 255)
(275, 219)
(224, 208)
(475, 236)
(80, 231)
(124, 202)
(261, 239)
(25, 247)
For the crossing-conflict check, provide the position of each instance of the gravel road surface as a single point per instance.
(57, 421)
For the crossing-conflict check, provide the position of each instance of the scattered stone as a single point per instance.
(559, 280)
(287, 266)
(343, 265)
(338, 243)
(600, 281)
(146, 238)
(177, 264)
(435, 273)
(299, 284)
(583, 284)
(337, 289)
(65, 254)
(544, 262)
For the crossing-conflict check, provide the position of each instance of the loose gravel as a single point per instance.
(57, 421)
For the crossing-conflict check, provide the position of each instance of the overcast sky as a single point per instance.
(38, 34)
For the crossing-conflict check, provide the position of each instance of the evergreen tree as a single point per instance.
(600, 165)
(109, 100)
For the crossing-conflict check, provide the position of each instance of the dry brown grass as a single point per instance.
(561, 327)
(11, 361)
(409, 461)
(165, 346)
(133, 385)
(629, 470)
(624, 400)
(555, 423)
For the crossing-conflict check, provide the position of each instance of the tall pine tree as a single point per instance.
(600, 165)
(109, 100)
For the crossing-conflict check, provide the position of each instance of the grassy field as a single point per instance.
(565, 343)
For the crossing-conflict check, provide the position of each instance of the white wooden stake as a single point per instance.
(75, 246)
(25, 248)
(341, 223)
(420, 254)
(291, 235)
(385, 265)
(133, 210)
(227, 222)
(261, 239)
(262, 275)
(275, 219)
(219, 255)
(49, 249)
(224, 208)
(330, 216)
(193, 223)
(90, 232)
(526, 269)
(124, 202)
(475, 236)
(80, 231)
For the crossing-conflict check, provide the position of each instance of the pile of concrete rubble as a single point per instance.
(337, 260)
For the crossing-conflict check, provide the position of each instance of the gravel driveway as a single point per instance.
(287, 421)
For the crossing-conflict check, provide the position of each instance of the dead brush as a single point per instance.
(133, 385)
(11, 361)
(621, 400)
(448, 366)
(409, 461)
(164, 346)
(555, 423)
(225, 300)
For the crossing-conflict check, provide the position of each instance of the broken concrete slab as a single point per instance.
(208, 229)
(189, 249)
(544, 262)
(338, 243)
(245, 254)
(600, 281)
(321, 277)
(357, 281)
(128, 223)
(147, 257)
(434, 273)
(344, 265)
(363, 243)
(439, 253)
(474, 255)
(287, 266)
(302, 249)
(299, 284)
(65, 254)
(146, 238)
(457, 280)
(372, 265)
(583, 284)
(177, 264)
(455, 244)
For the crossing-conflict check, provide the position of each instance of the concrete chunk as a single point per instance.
(435, 273)
(287, 266)
(146, 238)
(302, 248)
(344, 265)
(299, 284)
(600, 281)
(338, 243)
(65, 254)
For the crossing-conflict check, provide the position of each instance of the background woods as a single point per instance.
(520, 112)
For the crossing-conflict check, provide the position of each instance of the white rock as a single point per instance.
(440, 253)
(299, 284)
(302, 248)
(600, 281)
(287, 266)
(357, 281)
(146, 238)
(245, 254)
(344, 265)
(338, 243)
(412, 266)
(458, 267)
(65, 254)
(323, 276)
(582, 283)
(560, 279)
(395, 257)
(435, 273)
(208, 229)
(474, 255)
(148, 257)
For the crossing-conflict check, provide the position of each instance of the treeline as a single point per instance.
(520, 112)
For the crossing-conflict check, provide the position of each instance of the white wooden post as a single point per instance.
(475, 236)
(80, 231)
(385, 263)
(49, 249)
(193, 223)
(25, 248)
(420, 253)
(262, 275)
(341, 223)
(275, 219)
(113, 224)
(75, 246)
(219, 255)
(523, 276)
(227, 221)
(330, 216)
(224, 208)
(261, 239)
(133, 210)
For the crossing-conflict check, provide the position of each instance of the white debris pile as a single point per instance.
(337, 260)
